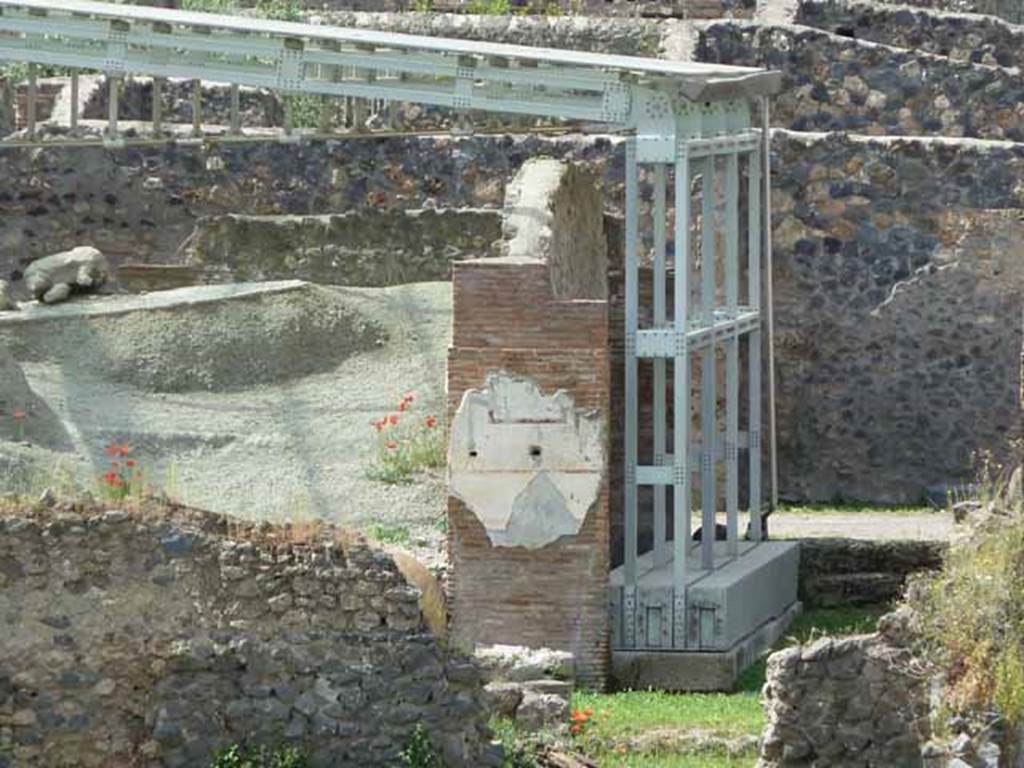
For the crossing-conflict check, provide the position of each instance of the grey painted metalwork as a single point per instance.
(706, 148)
(688, 131)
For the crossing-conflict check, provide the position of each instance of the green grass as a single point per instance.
(628, 713)
(621, 717)
(810, 625)
(390, 534)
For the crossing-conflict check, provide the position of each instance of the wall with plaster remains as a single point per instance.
(528, 403)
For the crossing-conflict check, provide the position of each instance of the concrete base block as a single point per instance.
(698, 670)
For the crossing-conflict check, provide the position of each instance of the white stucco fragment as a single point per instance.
(528, 465)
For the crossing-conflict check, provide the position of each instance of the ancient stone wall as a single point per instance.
(135, 102)
(693, 9)
(155, 637)
(636, 36)
(141, 204)
(1011, 10)
(978, 39)
(844, 701)
(528, 403)
(895, 288)
(898, 288)
(834, 83)
(359, 248)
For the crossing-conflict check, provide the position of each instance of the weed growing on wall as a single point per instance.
(407, 443)
(259, 757)
(419, 752)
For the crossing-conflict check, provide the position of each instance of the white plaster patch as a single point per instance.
(528, 465)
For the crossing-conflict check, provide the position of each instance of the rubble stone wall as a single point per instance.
(154, 638)
(835, 83)
(843, 701)
(359, 248)
(978, 39)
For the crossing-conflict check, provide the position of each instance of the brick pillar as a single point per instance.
(506, 321)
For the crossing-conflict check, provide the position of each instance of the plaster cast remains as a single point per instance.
(544, 453)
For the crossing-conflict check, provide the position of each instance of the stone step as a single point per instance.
(854, 557)
(835, 83)
(963, 37)
(850, 589)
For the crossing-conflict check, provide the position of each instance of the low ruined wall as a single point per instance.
(153, 638)
(978, 39)
(359, 248)
(843, 701)
(834, 83)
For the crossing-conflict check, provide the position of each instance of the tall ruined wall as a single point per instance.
(899, 281)
(834, 83)
(153, 638)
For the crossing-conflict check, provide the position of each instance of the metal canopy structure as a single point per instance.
(692, 157)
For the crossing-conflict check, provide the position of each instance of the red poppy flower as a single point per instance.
(392, 445)
(393, 419)
(403, 406)
(378, 425)
(430, 422)
(113, 480)
(130, 463)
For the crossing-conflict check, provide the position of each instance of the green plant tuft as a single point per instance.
(419, 752)
(968, 618)
(259, 757)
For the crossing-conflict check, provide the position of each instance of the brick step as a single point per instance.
(835, 83)
(963, 37)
